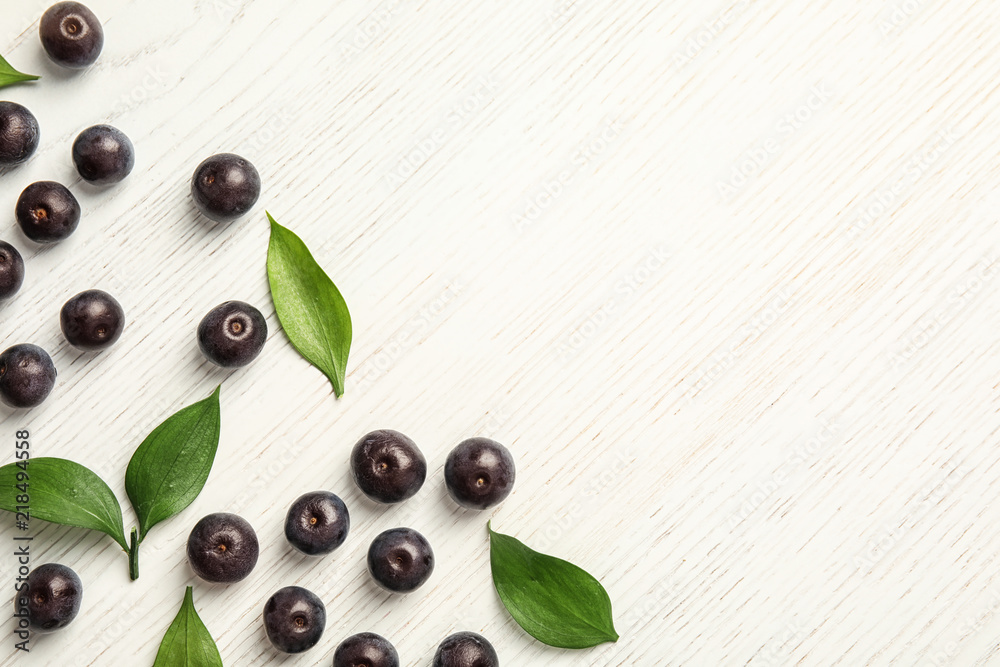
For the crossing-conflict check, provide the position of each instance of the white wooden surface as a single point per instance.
(762, 410)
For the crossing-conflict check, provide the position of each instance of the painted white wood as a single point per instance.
(762, 409)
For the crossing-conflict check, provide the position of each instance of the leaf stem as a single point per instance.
(133, 556)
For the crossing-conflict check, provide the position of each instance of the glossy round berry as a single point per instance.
(317, 523)
(387, 466)
(225, 187)
(366, 649)
(27, 375)
(11, 270)
(294, 619)
(232, 334)
(19, 134)
(92, 320)
(47, 212)
(479, 473)
(400, 560)
(466, 649)
(103, 155)
(222, 548)
(71, 35)
(53, 597)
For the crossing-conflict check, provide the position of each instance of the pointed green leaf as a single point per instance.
(555, 602)
(63, 492)
(187, 642)
(9, 75)
(170, 467)
(310, 308)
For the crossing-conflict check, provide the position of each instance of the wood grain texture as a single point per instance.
(722, 276)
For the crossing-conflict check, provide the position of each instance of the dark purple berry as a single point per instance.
(27, 375)
(92, 320)
(232, 334)
(47, 212)
(294, 619)
(225, 187)
(466, 649)
(53, 597)
(479, 473)
(19, 134)
(71, 35)
(103, 155)
(400, 560)
(317, 523)
(11, 270)
(222, 548)
(387, 466)
(366, 649)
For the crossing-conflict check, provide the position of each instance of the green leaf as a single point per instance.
(63, 492)
(170, 467)
(9, 75)
(555, 602)
(310, 308)
(187, 642)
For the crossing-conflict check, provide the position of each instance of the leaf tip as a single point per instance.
(337, 381)
(189, 595)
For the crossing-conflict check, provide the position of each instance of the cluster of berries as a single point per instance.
(224, 187)
(388, 468)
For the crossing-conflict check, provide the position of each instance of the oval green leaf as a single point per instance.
(63, 492)
(10, 76)
(169, 469)
(187, 642)
(553, 600)
(310, 308)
